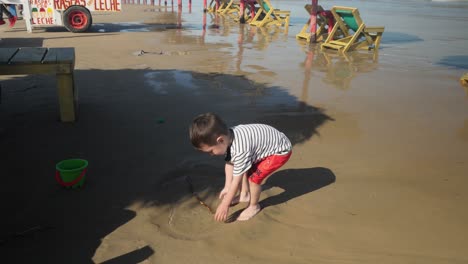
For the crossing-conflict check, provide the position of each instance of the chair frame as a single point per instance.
(272, 16)
(372, 35)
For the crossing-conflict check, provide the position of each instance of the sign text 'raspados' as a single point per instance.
(93, 5)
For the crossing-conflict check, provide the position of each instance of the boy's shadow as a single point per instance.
(294, 182)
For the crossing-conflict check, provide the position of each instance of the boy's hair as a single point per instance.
(206, 128)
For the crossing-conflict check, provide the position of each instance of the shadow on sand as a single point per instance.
(295, 183)
(128, 149)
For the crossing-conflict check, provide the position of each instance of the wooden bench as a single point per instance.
(60, 61)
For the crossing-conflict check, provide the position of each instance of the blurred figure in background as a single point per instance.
(11, 15)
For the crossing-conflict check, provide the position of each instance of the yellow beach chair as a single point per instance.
(464, 80)
(211, 7)
(347, 19)
(267, 15)
(228, 6)
(217, 5)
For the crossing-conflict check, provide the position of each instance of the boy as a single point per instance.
(252, 152)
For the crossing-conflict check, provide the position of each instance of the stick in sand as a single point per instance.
(189, 182)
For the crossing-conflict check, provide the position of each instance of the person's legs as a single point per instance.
(244, 194)
(12, 9)
(12, 21)
(254, 207)
(11, 17)
(259, 172)
(1, 14)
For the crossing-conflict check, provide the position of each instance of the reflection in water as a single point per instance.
(153, 2)
(307, 74)
(240, 50)
(463, 131)
(339, 68)
(266, 35)
(214, 24)
(161, 82)
(257, 38)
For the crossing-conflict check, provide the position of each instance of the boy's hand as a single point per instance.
(221, 212)
(223, 193)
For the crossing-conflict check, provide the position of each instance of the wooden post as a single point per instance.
(179, 16)
(66, 94)
(313, 21)
(242, 10)
(204, 22)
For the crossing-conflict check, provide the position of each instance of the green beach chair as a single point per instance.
(350, 32)
(267, 15)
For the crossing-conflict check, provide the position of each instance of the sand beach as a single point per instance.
(380, 143)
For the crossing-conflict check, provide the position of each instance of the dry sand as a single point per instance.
(378, 173)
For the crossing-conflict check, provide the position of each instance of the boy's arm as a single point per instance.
(228, 169)
(223, 208)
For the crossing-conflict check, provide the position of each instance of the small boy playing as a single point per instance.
(252, 153)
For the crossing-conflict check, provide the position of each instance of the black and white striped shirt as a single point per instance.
(255, 142)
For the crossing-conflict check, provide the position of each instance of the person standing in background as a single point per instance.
(11, 16)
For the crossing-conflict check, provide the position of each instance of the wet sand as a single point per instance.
(379, 165)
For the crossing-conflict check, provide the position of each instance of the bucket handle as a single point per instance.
(68, 184)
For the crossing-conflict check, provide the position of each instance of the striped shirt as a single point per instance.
(254, 142)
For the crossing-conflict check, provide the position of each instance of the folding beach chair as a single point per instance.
(228, 6)
(464, 80)
(325, 22)
(216, 5)
(347, 19)
(267, 15)
(211, 7)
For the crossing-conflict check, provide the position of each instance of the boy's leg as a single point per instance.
(254, 207)
(260, 172)
(244, 193)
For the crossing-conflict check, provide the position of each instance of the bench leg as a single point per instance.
(66, 94)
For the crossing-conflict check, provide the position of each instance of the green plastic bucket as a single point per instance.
(71, 173)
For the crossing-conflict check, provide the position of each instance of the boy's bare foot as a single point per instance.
(241, 198)
(249, 212)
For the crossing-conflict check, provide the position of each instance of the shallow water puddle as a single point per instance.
(161, 81)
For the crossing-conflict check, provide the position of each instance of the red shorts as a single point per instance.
(264, 168)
